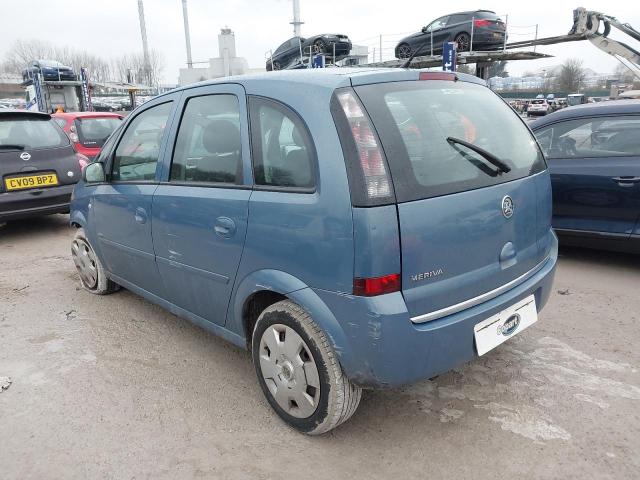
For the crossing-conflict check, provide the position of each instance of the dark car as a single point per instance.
(593, 153)
(38, 165)
(293, 50)
(487, 28)
(50, 70)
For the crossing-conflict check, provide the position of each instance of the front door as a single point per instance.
(595, 173)
(200, 210)
(122, 206)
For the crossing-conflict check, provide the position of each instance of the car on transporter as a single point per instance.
(316, 218)
(38, 165)
(485, 27)
(334, 46)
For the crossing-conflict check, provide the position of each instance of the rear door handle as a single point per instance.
(141, 215)
(626, 181)
(224, 227)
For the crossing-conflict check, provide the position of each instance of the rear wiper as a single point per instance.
(9, 146)
(490, 157)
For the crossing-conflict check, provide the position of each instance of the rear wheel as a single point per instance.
(299, 372)
(463, 42)
(319, 47)
(90, 269)
(404, 51)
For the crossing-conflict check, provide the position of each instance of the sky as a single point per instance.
(109, 28)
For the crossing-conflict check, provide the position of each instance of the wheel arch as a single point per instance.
(77, 219)
(263, 288)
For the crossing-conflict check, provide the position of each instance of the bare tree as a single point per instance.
(498, 69)
(571, 76)
(131, 66)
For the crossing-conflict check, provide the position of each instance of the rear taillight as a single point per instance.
(82, 160)
(73, 135)
(374, 169)
(481, 23)
(369, 287)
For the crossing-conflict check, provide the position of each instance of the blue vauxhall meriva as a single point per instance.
(352, 228)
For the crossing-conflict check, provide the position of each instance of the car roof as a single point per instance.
(26, 113)
(468, 12)
(326, 78)
(613, 107)
(86, 114)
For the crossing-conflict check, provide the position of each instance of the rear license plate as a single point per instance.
(500, 327)
(31, 181)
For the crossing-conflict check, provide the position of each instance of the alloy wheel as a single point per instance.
(404, 51)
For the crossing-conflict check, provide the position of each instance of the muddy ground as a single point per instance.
(115, 387)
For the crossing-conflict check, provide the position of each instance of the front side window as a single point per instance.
(437, 24)
(137, 153)
(612, 136)
(208, 146)
(421, 125)
(283, 152)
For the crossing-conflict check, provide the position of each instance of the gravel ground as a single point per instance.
(115, 387)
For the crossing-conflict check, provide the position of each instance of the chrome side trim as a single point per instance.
(472, 302)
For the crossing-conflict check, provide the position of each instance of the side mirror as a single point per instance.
(94, 173)
(424, 29)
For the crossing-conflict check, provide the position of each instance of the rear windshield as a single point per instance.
(30, 132)
(93, 132)
(417, 120)
(537, 102)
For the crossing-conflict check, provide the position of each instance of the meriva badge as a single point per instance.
(510, 325)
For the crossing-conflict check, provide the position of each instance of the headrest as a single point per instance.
(221, 136)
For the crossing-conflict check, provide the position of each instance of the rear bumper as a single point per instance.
(383, 348)
(32, 203)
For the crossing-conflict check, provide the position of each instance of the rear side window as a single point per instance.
(457, 19)
(418, 120)
(208, 146)
(613, 136)
(30, 132)
(283, 153)
(93, 132)
(137, 153)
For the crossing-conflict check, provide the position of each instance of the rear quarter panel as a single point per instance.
(307, 235)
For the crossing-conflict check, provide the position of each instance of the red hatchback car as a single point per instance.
(88, 130)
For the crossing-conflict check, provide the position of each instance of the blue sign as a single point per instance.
(449, 56)
(317, 61)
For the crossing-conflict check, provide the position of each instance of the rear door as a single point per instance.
(466, 227)
(200, 209)
(122, 205)
(595, 172)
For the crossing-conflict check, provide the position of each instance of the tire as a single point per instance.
(287, 346)
(276, 66)
(90, 270)
(463, 41)
(403, 51)
(319, 47)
